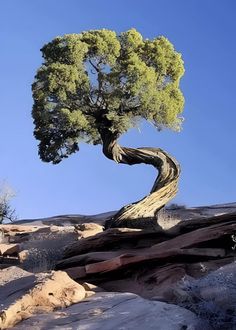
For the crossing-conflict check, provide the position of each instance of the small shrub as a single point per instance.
(213, 298)
(166, 220)
(45, 250)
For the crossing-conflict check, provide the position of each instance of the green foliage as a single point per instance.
(99, 80)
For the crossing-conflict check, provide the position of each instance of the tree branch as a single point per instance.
(94, 66)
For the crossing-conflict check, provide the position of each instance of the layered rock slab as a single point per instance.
(150, 263)
(119, 311)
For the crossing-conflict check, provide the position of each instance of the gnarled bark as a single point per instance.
(142, 214)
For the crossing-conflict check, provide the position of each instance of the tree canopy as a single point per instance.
(99, 80)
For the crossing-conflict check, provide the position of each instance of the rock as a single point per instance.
(202, 268)
(91, 287)
(8, 261)
(89, 258)
(184, 235)
(5, 265)
(147, 262)
(88, 229)
(9, 249)
(204, 212)
(18, 233)
(62, 229)
(101, 263)
(89, 226)
(23, 255)
(69, 219)
(3, 238)
(157, 282)
(174, 211)
(25, 294)
(17, 228)
(123, 238)
(151, 263)
(11, 274)
(76, 272)
(119, 311)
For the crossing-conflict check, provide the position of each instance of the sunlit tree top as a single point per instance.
(99, 80)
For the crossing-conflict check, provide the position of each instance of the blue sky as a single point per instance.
(87, 183)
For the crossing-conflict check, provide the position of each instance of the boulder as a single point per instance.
(23, 294)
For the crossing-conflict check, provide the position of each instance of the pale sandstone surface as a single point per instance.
(26, 294)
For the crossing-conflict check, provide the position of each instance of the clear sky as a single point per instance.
(204, 31)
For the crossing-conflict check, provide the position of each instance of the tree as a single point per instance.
(94, 86)
(6, 211)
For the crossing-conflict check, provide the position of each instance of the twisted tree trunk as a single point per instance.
(142, 214)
